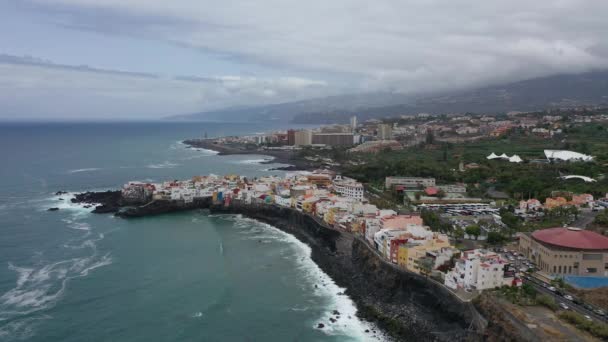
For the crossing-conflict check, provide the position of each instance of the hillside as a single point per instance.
(540, 93)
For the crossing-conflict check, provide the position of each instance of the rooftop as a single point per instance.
(572, 238)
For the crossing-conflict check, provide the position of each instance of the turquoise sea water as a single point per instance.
(71, 275)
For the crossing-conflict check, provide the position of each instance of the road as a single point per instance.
(537, 284)
(584, 218)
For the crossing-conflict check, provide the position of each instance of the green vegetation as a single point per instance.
(547, 301)
(602, 218)
(524, 295)
(473, 230)
(524, 180)
(597, 329)
(431, 219)
(496, 238)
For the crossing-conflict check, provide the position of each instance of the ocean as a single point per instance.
(70, 275)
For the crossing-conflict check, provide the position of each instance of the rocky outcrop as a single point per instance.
(502, 325)
(105, 201)
(162, 207)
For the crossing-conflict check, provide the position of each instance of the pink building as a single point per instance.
(531, 204)
(399, 221)
(581, 199)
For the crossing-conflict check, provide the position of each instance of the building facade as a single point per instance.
(303, 137)
(333, 139)
(567, 251)
(385, 132)
(409, 182)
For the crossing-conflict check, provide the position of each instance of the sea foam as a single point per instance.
(90, 169)
(348, 325)
(163, 165)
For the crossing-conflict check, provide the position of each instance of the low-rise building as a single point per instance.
(480, 270)
(409, 182)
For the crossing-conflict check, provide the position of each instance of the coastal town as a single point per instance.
(511, 225)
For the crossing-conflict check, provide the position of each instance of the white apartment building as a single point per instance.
(348, 187)
(479, 269)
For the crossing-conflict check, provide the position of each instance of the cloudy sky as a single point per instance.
(137, 59)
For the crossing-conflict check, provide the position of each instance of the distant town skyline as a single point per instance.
(130, 59)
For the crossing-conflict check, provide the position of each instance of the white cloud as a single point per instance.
(46, 90)
(409, 45)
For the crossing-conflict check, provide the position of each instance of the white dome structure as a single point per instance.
(584, 178)
(515, 159)
(566, 155)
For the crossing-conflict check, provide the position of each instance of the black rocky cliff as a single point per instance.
(408, 306)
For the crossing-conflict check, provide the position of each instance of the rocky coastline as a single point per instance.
(405, 305)
(279, 157)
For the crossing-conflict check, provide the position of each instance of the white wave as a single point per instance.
(90, 169)
(176, 145)
(79, 226)
(64, 202)
(197, 314)
(23, 273)
(105, 260)
(254, 161)
(41, 287)
(348, 325)
(207, 151)
(164, 165)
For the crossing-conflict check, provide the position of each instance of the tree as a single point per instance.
(509, 219)
(458, 233)
(495, 238)
(473, 230)
(602, 218)
(440, 194)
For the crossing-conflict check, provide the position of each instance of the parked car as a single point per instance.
(564, 306)
(552, 289)
(569, 297)
(600, 312)
(588, 318)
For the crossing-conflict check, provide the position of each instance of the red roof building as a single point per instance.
(431, 191)
(567, 251)
(574, 238)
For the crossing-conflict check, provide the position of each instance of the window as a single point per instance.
(560, 269)
(591, 270)
(554, 269)
(592, 257)
(569, 269)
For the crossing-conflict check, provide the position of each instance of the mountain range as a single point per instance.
(558, 91)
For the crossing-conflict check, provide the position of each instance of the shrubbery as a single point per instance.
(547, 301)
(596, 329)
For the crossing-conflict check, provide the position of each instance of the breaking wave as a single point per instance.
(255, 161)
(348, 326)
(164, 165)
(90, 169)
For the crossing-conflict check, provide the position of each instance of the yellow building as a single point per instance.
(409, 253)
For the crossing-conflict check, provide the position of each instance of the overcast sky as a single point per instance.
(91, 59)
